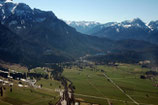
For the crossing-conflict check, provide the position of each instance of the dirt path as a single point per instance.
(134, 101)
(107, 98)
(101, 98)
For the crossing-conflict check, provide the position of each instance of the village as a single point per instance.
(12, 77)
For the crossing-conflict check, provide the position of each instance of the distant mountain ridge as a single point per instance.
(130, 29)
(83, 26)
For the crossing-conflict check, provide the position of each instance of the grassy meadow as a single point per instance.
(92, 86)
(31, 96)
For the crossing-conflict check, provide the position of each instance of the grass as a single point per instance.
(48, 83)
(91, 82)
(16, 67)
(91, 86)
(4, 103)
(128, 78)
(31, 96)
(39, 70)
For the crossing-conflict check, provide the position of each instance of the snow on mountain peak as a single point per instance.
(82, 23)
(8, 0)
(5, 1)
(20, 16)
(83, 26)
(153, 25)
(127, 26)
(10, 9)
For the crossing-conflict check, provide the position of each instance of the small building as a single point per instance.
(1, 80)
(39, 87)
(145, 62)
(6, 82)
(25, 86)
(24, 80)
(10, 77)
(11, 84)
(20, 85)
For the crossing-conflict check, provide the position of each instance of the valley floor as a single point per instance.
(27, 94)
(109, 85)
(92, 85)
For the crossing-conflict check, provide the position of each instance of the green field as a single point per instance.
(38, 70)
(31, 96)
(49, 84)
(92, 86)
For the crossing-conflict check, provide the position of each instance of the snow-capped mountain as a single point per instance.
(47, 38)
(153, 25)
(19, 16)
(135, 23)
(83, 26)
(130, 29)
(93, 28)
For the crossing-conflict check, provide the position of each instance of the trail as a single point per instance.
(107, 98)
(121, 90)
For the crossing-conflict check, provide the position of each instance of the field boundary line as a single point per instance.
(102, 98)
(121, 89)
(107, 99)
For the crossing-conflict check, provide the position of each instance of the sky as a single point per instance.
(98, 10)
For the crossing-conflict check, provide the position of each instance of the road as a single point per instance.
(134, 101)
(95, 97)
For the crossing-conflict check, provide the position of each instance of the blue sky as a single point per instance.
(98, 10)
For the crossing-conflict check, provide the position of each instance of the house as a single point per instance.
(6, 82)
(145, 62)
(10, 77)
(24, 80)
(1, 80)
(20, 85)
(11, 84)
(25, 86)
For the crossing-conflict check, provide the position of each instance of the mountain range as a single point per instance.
(129, 29)
(84, 27)
(54, 40)
(33, 37)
